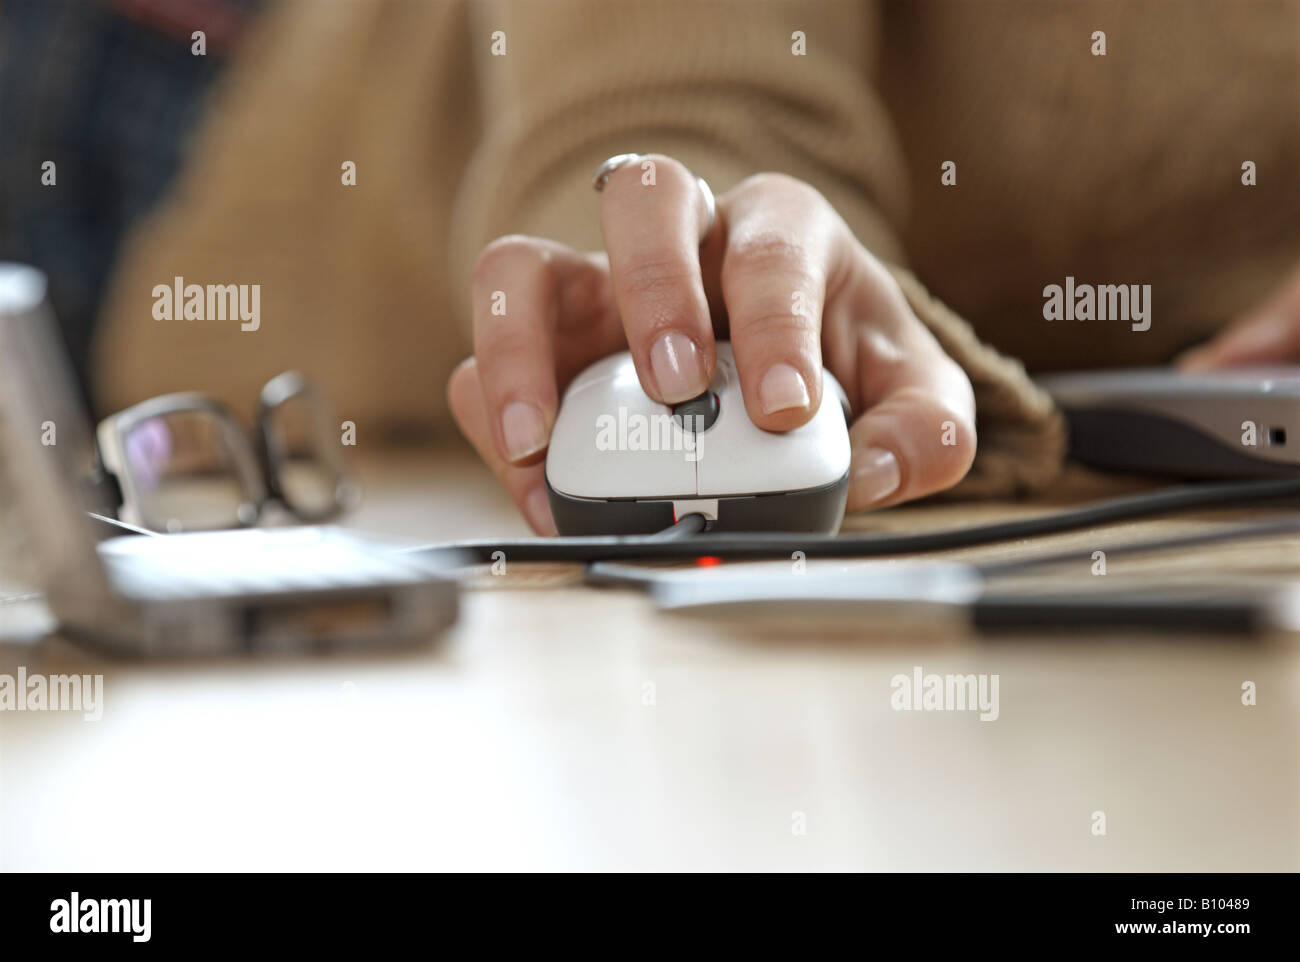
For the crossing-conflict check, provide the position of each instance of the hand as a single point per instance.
(1267, 334)
(780, 271)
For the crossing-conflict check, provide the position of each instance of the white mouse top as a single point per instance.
(612, 441)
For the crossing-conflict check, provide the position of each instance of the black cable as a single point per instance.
(687, 526)
(679, 547)
(1187, 608)
(1237, 532)
(607, 573)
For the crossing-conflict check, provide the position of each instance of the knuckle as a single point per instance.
(656, 279)
(771, 250)
(459, 387)
(774, 183)
(506, 254)
(584, 301)
(945, 429)
(772, 325)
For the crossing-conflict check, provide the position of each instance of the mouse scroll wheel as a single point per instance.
(697, 414)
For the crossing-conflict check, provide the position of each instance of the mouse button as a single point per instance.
(718, 387)
(622, 464)
(832, 388)
(616, 367)
(624, 475)
(726, 373)
(738, 457)
(611, 443)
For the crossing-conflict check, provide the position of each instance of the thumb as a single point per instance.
(909, 445)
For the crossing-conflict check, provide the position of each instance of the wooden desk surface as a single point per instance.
(565, 727)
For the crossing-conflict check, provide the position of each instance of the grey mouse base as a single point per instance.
(811, 511)
(1122, 439)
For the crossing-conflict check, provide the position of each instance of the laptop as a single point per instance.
(203, 593)
(1242, 423)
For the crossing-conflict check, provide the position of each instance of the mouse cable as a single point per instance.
(1198, 607)
(687, 526)
(613, 572)
(1249, 531)
(686, 542)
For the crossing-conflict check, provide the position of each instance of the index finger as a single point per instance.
(653, 215)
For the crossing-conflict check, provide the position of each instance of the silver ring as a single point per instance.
(603, 172)
(601, 176)
(710, 208)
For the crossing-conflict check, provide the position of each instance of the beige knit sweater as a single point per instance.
(1123, 168)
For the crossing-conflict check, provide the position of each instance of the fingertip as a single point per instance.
(782, 388)
(536, 506)
(680, 368)
(907, 448)
(1271, 338)
(875, 477)
(461, 386)
(782, 396)
(1197, 359)
(524, 432)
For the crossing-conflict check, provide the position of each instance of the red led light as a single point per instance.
(708, 561)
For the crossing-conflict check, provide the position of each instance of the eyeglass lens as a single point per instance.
(185, 473)
(307, 461)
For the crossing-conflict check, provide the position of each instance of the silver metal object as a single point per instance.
(601, 177)
(710, 208)
(210, 593)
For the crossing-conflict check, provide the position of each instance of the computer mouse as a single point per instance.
(622, 463)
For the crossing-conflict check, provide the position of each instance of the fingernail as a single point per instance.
(523, 428)
(537, 508)
(875, 476)
(781, 389)
(675, 364)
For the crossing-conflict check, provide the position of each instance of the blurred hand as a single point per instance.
(1267, 334)
(780, 272)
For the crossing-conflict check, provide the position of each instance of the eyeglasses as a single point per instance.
(184, 462)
